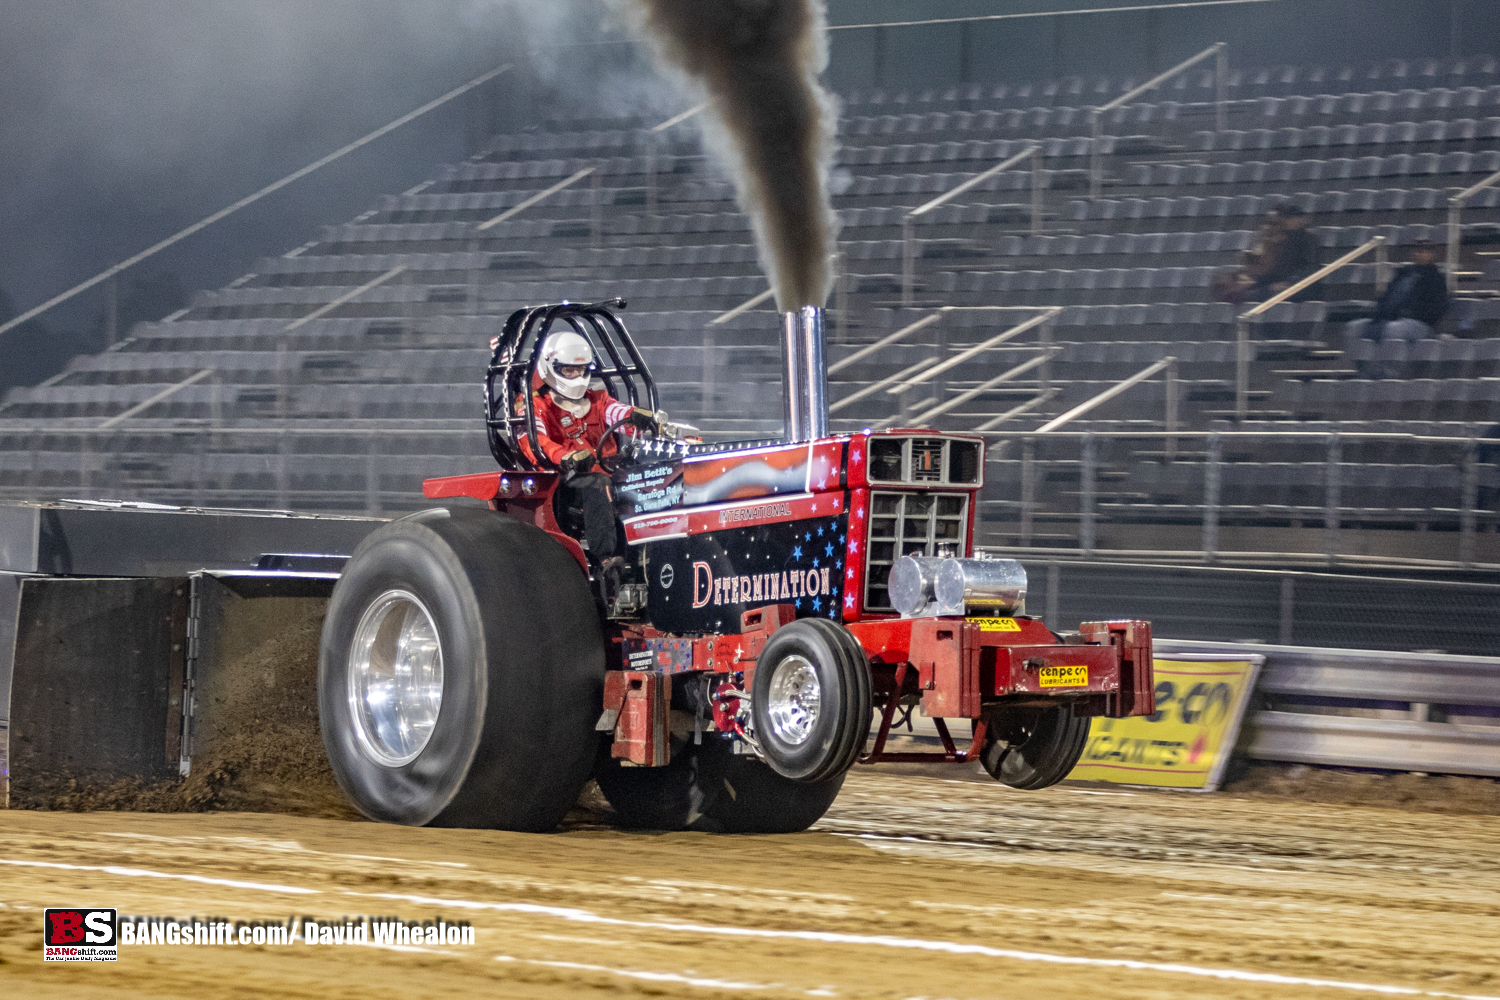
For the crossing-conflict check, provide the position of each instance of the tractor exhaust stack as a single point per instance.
(804, 377)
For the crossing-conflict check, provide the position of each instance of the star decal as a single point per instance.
(815, 564)
(853, 546)
(828, 549)
(796, 552)
(850, 573)
(849, 600)
(815, 510)
(820, 527)
(817, 603)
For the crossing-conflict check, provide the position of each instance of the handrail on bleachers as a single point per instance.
(545, 193)
(908, 237)
(1242, 354)
(146, 404)
(922, 419)
(1044, 318)
(930, 366)
(1111, 393)
(1455, 230)
(1221, 76)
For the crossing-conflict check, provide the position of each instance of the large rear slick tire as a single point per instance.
(811, 700)
(1033, 748)
(461, 673)
(711, 789)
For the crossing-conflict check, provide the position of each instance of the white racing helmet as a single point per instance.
(566, 348)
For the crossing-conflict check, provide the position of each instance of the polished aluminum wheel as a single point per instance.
(395, 678)
(794, 699)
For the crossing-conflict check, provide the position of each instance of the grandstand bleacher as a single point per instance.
(349, 411)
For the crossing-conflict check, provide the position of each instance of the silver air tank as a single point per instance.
(923, 587)
(911, 584)
(804, 376)
(981, 583)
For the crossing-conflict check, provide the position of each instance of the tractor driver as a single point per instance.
(571, 420)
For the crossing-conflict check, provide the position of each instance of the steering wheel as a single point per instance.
(602, 460)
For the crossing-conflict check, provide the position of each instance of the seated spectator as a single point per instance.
(1413, 303)
(1285, 254)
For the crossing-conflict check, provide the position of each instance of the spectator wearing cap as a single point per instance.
(1413, 303)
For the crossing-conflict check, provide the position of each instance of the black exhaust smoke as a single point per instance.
(759, 61)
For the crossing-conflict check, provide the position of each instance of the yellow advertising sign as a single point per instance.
(1187, 743)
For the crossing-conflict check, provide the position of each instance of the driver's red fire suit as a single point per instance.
(560, 433)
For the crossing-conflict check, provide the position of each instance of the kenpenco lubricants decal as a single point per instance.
(738, 557)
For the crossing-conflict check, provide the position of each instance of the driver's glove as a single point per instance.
(644, 419)
(577, 464)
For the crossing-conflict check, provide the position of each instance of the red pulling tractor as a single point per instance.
(782, 600)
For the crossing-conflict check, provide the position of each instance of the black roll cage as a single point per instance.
(512, 369)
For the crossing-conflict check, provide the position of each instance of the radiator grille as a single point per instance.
(904, 524)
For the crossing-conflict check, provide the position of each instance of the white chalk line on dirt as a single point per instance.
(145, 873)
(257, 843)
(920, 944)
(821, 937)
(654, 977)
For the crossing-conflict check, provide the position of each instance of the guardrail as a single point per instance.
(95, 449)
(1462, 520)
(1346, 682)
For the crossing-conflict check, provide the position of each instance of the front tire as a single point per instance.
(1033, 748)
(460, 674)
(811, 701)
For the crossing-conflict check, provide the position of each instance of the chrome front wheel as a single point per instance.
(794, 700)
(810, 700)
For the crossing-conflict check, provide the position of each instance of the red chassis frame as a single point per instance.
(950, 667)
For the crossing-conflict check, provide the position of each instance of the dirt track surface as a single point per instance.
(910, 887)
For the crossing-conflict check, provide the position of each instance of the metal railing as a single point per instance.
(1204, 519)
(146, 404)
(1455, 227)
(1221, 80)
(908, 222)
(934, 365)
(1168, 363)
(1244, 350)
(194, 481)
(1344, 732)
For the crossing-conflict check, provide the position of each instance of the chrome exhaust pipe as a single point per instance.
(804, 387)
(793, 391)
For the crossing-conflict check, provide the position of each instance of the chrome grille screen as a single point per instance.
(902, 524)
